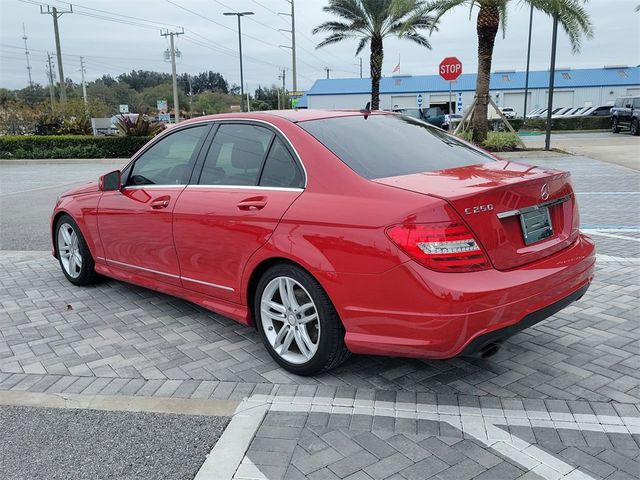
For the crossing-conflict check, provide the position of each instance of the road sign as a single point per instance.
(162, 106)
(419, 100)
(450, 68)
(124, 108)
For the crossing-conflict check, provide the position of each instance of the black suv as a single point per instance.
(626, 113)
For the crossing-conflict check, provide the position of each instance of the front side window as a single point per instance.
(280, 169)
(379, 146)
(170, 160)
(236, 154)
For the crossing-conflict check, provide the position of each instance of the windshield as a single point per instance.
(379, 146)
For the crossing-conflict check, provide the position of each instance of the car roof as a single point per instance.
(294, 116)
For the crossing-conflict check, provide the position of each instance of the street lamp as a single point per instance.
(240, 14)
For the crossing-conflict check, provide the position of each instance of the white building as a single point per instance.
(583, 87)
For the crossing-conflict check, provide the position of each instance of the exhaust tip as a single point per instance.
(489, 350)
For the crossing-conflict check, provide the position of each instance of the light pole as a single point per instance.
(240, 14)
(552, 74)
(526, 78)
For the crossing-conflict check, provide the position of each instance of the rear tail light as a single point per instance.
(445, 247)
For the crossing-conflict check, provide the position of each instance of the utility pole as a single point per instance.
(50, 76)
(552, 75)
(26, 52)
(293, 43)
(55, 13)
(282, 77)
(84, 85)
(327, 69)
(176, 107)
(240, 15)
(360, 67)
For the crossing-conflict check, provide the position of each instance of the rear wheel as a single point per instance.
(615, 128)
(297, 322)
(635, 128)
(73, 254)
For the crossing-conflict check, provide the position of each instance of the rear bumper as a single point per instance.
(415, 312)
(479, 344)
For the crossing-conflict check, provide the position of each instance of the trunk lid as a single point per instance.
(493, 198)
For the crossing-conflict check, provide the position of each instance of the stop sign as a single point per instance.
(450, 68)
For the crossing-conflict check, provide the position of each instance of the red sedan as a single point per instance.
(335, 232)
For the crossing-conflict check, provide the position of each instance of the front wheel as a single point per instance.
(635, 129)
(615, 127)
(297, 321)
(73, 254)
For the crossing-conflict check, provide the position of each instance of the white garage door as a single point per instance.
(561, 98)
(633, 91)
(516, 101)
(404, 101)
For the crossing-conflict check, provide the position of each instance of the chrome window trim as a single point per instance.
(215, 285)
(519, 211)
(180, 277)
(246, 187)
(153, 186)
(264, 122)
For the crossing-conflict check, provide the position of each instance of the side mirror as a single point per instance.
(110, 181)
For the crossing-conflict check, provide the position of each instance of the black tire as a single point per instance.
(615, 128)
(635, 128)
(87, 274)
(331, 350)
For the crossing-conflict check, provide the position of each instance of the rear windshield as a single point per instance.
(380, 146)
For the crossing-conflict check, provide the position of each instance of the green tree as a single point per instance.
(492, 15)
(141, 79)
(371, 21)
(266, 98)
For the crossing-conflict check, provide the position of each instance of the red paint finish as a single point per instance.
(204, 243)
(136, 229)
(216, 237)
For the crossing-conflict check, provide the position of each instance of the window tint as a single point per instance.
(381, 146)
(280, 169)
(236, 155)
(170, 160)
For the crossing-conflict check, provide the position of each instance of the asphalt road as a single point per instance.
(67, 444)
(28, 193)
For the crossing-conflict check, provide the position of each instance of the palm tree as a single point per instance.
(493, 14)
(371, 21)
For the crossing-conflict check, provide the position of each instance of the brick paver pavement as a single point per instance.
(559, 400)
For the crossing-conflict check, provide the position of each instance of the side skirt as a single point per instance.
(238, 313)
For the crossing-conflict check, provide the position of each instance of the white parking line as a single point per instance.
(227, 459)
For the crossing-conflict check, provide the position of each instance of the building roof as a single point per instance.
(512, 80)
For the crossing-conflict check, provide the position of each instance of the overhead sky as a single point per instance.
(117, 36)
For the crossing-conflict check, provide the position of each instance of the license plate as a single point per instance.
(536, 225)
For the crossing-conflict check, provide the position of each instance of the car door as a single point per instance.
(135, 222)
(248, 179)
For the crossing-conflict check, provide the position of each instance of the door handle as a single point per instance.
(161, 202)
(254, 203)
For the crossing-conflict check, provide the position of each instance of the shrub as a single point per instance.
(496, 141)
(141, 126)
(69, 146)
(569, 123)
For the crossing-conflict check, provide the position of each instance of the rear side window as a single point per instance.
(636, 102)
(235, 156)
(280, 169)
(380, 146)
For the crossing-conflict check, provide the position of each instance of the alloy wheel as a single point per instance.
(69, 250)
(290, 320)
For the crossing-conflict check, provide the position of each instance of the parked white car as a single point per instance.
(509, 112)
